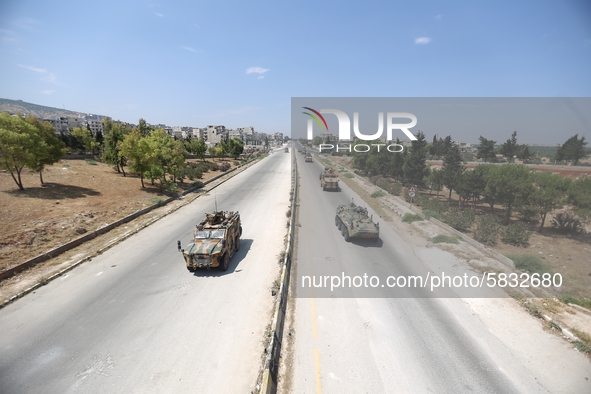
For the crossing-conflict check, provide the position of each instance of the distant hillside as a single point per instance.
(40, 111)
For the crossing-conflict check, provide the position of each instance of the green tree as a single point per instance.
(490, 194)
(579, 195)
(235, 147)
(50, 149)
(170, 154)
(549, 193)
(524, 153)
(471, 185)
(112, 154)
(510, 148)
(85, 136)
(486, 150)
(139, 152)
(435, 180)
(513, 184)
(415, 167)
(572, 150)
(222, 149)
(197, 147)
(144, 128)
(453, 167)
(396, 168)
(317, 140)
(18, 140)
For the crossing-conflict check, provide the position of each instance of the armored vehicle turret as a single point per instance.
(354, 222)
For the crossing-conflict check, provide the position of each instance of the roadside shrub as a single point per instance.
(433, 204)
(516, 234)
(530, 263)
(459, 219)
(225, 166)
(191, 172)
(378, 194)
(567, 222)
(445, 239)
(197, 184)
(90, 161)
(411, 217)
(487, 230)
(584, 302)
(349, 175)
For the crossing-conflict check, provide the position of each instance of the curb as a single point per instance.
(273, 349)
(78, 241)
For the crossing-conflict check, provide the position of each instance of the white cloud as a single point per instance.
(48, 76)
(256, 70)
(422, 40)
(191, 49)
(438, 17)
(159, 14)
(31, 68)
(48, 91)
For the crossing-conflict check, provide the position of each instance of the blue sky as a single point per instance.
(194, 63)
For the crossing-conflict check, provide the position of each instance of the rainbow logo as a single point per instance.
(316, 118)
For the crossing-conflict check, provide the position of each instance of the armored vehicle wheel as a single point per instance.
(336, 221)
(346, 234)
(191, 269)
(323, 188)
(238, 243)
(225, 263)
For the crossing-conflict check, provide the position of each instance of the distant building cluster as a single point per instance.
(211, 134)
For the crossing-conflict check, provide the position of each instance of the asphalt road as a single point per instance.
(134, 320)
(371, 341)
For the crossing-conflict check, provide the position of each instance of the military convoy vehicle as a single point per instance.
(354, 222)
(286, 150)
(215, 240)
(308, 158)
(329, 179)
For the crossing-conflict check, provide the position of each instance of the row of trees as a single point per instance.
(27, 143)
(150, 153)
(511, 186)
(573, 150)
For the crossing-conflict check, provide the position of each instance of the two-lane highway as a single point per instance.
(134, 320)
(373, 340)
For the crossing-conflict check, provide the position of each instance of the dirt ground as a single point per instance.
(77, 197)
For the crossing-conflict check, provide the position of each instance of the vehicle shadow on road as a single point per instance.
(245, 245)
(367, 243)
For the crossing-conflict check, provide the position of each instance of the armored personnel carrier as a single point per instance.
(308, 158)
(215, 240)
(329, 180)
(354, 222)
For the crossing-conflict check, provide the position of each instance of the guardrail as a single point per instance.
(271, 366)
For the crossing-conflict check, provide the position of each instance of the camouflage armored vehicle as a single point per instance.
(329, 180)
(308, 158)
(215, 240)
(354, 222)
